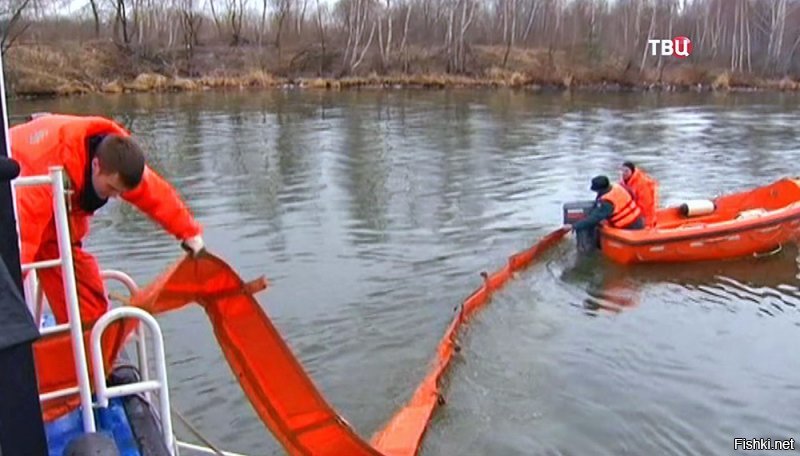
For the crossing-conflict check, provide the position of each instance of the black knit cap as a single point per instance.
(600, 183)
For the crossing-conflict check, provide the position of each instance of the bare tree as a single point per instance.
(554, 34)
(385, 48)
(282, 10)
(403, 43)
(190, 25)
(300, 16)
(718, 30)
(735, 39)
(746, 19)
(741, 39)
(593, 31)
(262, 26)
(321, 28)
(650, 34)
(776, 31)
(14, 26)
(236, 11)
(215, 17)
(459, 20)
(122, 32)
(533, 7)
(509, 10)
(96, 16)
(358, 18)
(138, 23)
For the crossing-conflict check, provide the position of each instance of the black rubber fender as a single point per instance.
(143, 419)
(94, 444)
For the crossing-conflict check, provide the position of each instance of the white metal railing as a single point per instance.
(59, 393)
(41, 265)
(55, 179)
(141, 334)
(121, 277)
(32, 181)
(104, 392)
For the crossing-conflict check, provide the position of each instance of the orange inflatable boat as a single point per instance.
(752, 222)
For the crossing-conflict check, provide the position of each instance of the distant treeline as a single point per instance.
(338, 38)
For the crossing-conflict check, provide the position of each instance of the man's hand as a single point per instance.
(193, 245)
(567, 227)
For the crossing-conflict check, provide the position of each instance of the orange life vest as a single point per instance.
(625, 209)
(61, 140)
(645, 192)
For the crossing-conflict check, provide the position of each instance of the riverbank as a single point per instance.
(49, 70)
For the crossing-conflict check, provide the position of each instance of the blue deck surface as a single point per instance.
(111, 421)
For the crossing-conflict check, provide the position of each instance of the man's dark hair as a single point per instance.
(629, 165)
(118, 154)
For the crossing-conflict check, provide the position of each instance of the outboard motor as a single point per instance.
(574, 211)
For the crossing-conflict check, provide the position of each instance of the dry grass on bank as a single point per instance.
(69, 69)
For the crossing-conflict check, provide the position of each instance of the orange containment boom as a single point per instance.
(276, 384)
(274, 381)
(403, 435)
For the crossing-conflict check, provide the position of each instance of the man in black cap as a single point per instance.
(614, 204)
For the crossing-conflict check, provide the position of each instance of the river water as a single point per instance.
(372, 213)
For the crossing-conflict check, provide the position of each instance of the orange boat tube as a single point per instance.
(752, 222)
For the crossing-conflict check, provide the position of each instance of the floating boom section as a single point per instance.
(279, 389)
(403, 435)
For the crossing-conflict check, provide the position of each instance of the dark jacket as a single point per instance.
(602, 211)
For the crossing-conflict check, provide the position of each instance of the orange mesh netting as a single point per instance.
(276, 384)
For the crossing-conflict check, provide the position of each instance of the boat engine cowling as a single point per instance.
(575, 211)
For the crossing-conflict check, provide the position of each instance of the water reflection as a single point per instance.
(364, 159)
(759, 284)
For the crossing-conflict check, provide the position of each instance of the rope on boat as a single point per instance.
(196, 433)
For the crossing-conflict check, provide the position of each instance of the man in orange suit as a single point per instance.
(100, 161)
(644, 190)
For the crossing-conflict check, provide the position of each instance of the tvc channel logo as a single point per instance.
(680, 47)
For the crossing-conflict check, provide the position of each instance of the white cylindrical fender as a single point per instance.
(693, 208)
